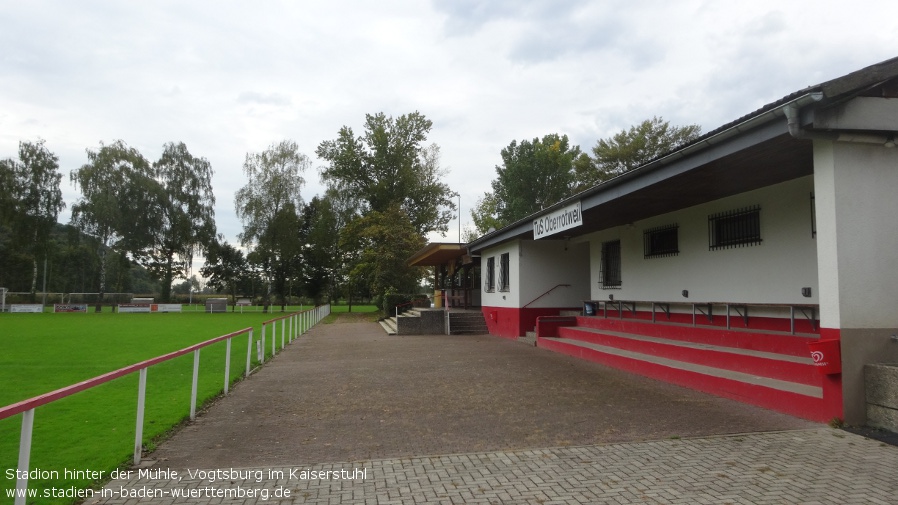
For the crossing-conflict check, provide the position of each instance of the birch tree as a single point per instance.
(187, 218)
(268, 209)
(119, 199)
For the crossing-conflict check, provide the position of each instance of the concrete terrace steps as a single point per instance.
(468, 322)
(769, 370)
(782, 385)
(462, 322)
(389, 325)
(768, 341)
(529, 338)
(774, 365)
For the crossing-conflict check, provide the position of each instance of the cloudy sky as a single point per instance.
(228, 78)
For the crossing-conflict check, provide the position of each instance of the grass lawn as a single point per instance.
(94, 429)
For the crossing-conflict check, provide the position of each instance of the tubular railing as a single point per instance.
(404, 306)
(547, 292)
(299, 323)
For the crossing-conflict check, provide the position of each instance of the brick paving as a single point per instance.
(484, 420)
(815, 466)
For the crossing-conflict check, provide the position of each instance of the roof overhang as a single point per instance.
(715, 168)
(437, 254)
(749, 153)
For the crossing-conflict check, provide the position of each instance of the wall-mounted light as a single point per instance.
(685, 293)
(806, 292)
(611, 297)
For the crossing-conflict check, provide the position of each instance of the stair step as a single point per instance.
(785, 396)
(778, 342)
(391, 330)
(807, 390)
(769, 364)
(467, 323)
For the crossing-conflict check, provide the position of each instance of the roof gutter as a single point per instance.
(792, 110)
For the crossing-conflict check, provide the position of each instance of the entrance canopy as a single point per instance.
(436, 254)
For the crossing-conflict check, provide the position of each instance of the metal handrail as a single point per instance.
(410, 304)
(547, 292)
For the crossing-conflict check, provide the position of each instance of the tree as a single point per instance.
(36, 200)
(267, 207)
(320, 248)
(8, 196)
(385, 240)
(225, 267)
(185, 204)
(485, 214)
(386, 173)
(388, 166)
(632, 148)
(533, 175)
(118, 202)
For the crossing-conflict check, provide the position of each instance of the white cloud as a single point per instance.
(230, 77)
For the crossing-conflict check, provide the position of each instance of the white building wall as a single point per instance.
(858, 189)
(547, 263)
(774, 271)
(497, 298)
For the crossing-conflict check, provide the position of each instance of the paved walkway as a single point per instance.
(818, 466)
(349, 415)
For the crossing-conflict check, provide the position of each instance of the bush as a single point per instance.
(391, 300)
(421, 300)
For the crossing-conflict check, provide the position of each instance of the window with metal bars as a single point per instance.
(734, 228)
(661, 241)
(504, 277)
(611, 265)
(490, 274)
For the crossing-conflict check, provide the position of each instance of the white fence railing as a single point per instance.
(297, 322)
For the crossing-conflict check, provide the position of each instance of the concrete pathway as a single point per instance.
(348, 414)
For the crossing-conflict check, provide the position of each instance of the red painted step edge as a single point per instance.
(795, 404)
(757, 341)
(765, 367)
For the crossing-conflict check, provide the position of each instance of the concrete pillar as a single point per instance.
(856, 198)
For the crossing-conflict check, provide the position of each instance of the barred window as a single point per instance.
(490, 274)
(611, 265)
(735, 228)
(504, 273)
(661, 241)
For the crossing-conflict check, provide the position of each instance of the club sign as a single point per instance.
(558, 221)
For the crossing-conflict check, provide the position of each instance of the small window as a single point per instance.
(504, 281)
(661, 241)
(611, 268)
(490, 274)
(735, 228)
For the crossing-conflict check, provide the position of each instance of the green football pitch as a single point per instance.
(94, 429)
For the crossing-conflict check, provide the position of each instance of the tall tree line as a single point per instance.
(29, 204)
(131, 212)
